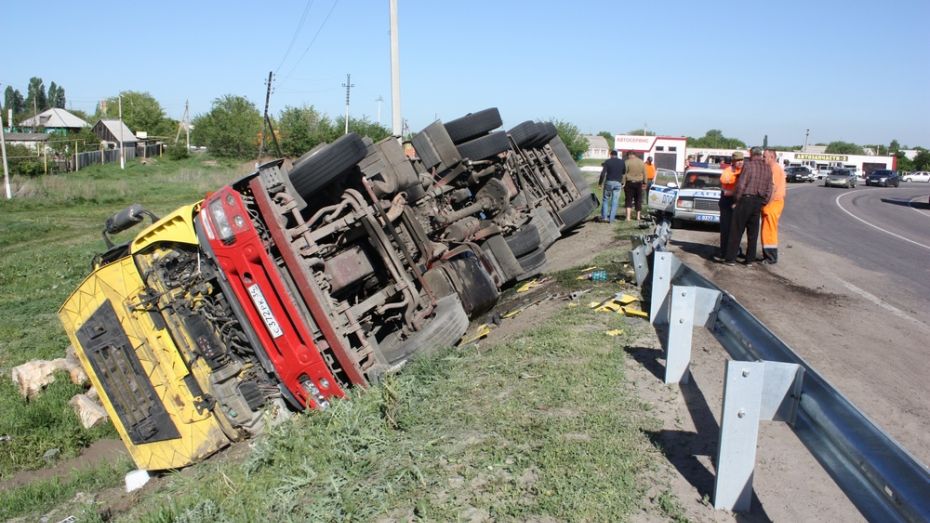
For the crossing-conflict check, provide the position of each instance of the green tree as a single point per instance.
(365, 127)
(641, 132)
(609, 137)
(230, 129)
(903, 162)
(714, 139)
(894, 146)
(141, 112)
(56, 96)
(302, 129)
(843, 148)
(922, 160)
(576, 143)
(36, 99)
(13, 99)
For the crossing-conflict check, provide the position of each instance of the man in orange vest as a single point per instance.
(650, 173)
(728, 180)
(771, 212)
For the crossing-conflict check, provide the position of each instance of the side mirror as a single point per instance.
(124, 220)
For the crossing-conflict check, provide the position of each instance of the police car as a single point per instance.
(696, 199)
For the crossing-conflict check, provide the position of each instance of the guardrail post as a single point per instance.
(664, 267)
(753, 392)
(689, 306)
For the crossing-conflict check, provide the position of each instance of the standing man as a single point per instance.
(633, 188)
(650, 173)
(728, 179)
(772, 210)
(753, 190)
(611, 178)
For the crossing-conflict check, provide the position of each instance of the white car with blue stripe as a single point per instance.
(696, 199)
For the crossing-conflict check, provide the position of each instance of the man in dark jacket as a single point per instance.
(753, 190)
(612, 179)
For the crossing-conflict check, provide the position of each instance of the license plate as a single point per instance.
(267, 316)
(707, 218)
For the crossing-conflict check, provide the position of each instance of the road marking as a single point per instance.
(881, 303)
(898, 236)
(910, 204)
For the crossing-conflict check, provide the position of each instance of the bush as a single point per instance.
(177, 152)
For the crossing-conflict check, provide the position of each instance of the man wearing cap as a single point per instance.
(728, 179)
(612, 179)
(753, 190)
(772, 210)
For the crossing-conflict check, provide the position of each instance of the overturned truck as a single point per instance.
(280, 291)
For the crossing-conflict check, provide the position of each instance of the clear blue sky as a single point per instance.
(849, 71)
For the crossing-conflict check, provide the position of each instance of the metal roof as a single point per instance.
(25, 137)
(55, 118)
(114, 127)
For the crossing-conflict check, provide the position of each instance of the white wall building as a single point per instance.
(861, 163)
(598, 148)
(668, 152)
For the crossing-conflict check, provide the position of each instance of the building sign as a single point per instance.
(634, 142)
(822, 157)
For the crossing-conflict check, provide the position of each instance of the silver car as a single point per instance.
(841, 178)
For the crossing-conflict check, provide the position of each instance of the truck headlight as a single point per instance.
(221, 222)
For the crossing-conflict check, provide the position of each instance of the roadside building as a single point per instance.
(34, 141)
(54, 121)
(598, 148)
(113, 132)
(813, 157)
(668, 152)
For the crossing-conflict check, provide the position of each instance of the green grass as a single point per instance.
(48, 234)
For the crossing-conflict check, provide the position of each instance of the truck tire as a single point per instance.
(473, 125)
(523, 240)
(485, 147)
(546, 132)
(326, 164)
(532, 263)
(524, 134)
(506, 261)
(578, 211)
(444, 329)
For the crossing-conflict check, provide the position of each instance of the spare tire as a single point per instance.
(547, 131)
(473, 125)
(532, 263)
(485, 147)
(326, 164)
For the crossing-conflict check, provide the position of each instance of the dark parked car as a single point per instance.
(799, 173)
(883, 177)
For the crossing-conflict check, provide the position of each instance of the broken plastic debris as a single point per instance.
(614, 332)
(634, 312)
(483, 330)
(136, 479)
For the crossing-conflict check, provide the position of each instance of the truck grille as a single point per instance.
(123, 379)
(706, 204)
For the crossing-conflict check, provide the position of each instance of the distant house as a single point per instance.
(598, 149)
(35, 141)
(112, 132)
(54, 121)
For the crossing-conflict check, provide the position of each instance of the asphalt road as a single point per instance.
(882, 230)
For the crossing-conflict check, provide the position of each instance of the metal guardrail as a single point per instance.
(883, 480)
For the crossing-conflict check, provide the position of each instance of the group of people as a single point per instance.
(629, 174)
(753, 196)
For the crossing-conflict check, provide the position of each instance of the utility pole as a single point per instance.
(348, 85)
(806, 132)
(379, 99)
(396, 121)
(261, 145)
(6, 169)
(122, 156)
(187, 128)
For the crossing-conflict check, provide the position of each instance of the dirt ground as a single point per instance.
(788, 484)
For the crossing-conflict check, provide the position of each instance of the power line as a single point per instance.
(331, 9)
(300, 24)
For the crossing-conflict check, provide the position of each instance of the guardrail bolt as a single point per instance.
(741, 413)
(745, 373)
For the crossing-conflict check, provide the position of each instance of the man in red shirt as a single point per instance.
(753, 190)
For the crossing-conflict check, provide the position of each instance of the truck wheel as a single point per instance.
(498, 248)
(485, 147)
(523, 240)
(326, 164)
(473, 125)
(524, 134)
(444, 329)
(578, 211)
(547, 132)
(532, 263)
